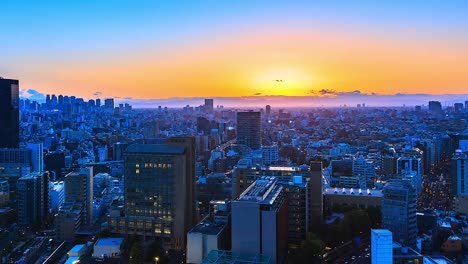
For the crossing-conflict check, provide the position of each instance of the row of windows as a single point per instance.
(154, 165)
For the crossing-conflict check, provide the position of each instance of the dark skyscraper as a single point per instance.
(159, 191)
(268, 110)
(209, 105)
(9, 113)
(249, 130)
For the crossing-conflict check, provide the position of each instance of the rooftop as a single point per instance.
(155, 148)
(353, 192)
(263, 190)
(229, 257)
(112, 241)
(208, 227)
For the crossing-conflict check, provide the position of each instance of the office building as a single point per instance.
(399, 211)
(364, 170)
(37, 156)
(381, 246)
(259, 216)
(159, 191)
(268, 110)
(249, 129)
(14, 164)
(410, 167)
(316, 195)
(79, 189)
(359, 198)
(33, 199)
(9, 117)
(435, 106)
(460, 175)
(269, 155)
(209, 105)
(57, 195)
(109, 103)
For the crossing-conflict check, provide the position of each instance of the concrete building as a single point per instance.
(259, 216)
(69, 220)
(212, 233)
(79, 188)
(399, 211)
(33, 199)
(460, 174)
(410, 166)
(381, 246)
(57, 195)
(4, 193)
(358, 198)
(107, 247)
(159, 191)
(249, 129)
(269, 155)
(9, 119)
(364, 170)
(316, 195)
(37, 156)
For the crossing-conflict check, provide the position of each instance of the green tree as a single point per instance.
(136, 253)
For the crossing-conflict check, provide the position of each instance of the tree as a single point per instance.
(136, 253)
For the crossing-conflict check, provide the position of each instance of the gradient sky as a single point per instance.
(164, 49)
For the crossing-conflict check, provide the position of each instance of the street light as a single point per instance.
(156, 259)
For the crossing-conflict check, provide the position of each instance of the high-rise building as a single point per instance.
(159, 191)
(209, 105)
(316, 194)
(79, 188)
(435, 106)
(410, 167)
(460, 175)
(249, 129)
(399, 211)
(9, 117)
(37, 156)
(259, 216)
(270, 155)
(268, 110)
(381, 246)
(33, 199)
(109, 103)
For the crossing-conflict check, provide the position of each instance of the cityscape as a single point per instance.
(188, 137)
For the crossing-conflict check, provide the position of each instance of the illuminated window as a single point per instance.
(137, 165)
(137, 171)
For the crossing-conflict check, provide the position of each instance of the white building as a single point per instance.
(107, 247)
(381, 246)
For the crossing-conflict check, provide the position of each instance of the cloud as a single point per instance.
(257, 94)
(97, 94)
(32, 94)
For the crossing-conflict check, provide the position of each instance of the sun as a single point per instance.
(287, 81)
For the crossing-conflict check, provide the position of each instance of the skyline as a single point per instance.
(148, 50)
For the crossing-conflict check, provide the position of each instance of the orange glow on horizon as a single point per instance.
(246, 64)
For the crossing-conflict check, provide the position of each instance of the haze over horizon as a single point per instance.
(322, 53)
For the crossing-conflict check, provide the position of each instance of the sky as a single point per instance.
(141, 50)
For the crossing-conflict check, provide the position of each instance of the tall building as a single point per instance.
(33, 199)
(9, 117)
(410, 167)
(381, 246)
(259, 216)
(268, 110)
(399, 211)
(435, 106)
(79, 189)
(159, 191)
(209, 105)
(109, 103)
(249, 129)
(316, 194)
(460, 175)
(37, 156)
